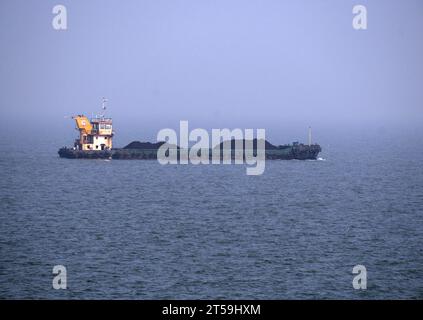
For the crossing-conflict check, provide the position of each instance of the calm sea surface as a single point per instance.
(139, 230)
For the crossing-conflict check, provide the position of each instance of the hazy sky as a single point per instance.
(274, 64)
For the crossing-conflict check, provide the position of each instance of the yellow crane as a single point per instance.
(83, 124)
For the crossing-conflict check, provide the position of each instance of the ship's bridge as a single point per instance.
(102, 126)
(94, 134)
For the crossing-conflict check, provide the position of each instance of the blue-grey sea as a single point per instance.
(130, 229)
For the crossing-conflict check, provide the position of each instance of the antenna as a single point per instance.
(103, 106)
(309, 136)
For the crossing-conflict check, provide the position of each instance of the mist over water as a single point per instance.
(218, 64)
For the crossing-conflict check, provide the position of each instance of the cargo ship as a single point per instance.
(95, 141)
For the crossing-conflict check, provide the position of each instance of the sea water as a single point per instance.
(139, 230)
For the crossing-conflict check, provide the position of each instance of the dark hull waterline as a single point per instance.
(148, 151)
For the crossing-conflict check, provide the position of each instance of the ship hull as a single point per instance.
(298, 152)
(84, 154)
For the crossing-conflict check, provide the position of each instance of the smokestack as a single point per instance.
(309, 136)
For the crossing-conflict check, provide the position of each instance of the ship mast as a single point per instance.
(103, 107)
(309, 136)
